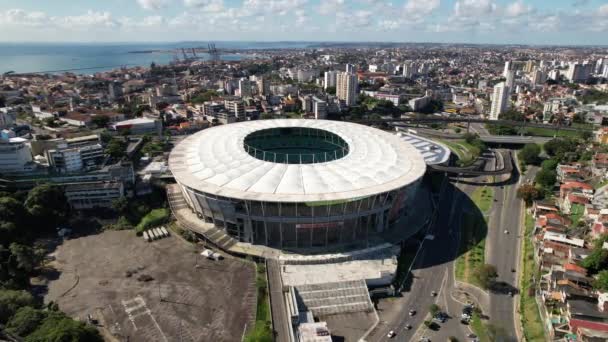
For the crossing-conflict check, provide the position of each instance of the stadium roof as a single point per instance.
(215, 161)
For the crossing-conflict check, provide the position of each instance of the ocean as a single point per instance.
(90, 58)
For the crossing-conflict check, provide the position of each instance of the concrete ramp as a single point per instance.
(334, 298)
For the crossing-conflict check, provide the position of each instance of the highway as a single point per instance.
(502, 251)
(484, 135)
(433, 270)
(439, 119)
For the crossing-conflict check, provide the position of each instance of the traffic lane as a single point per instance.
(429, 278)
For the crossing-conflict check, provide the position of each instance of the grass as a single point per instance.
(465, 152)
(262, 331)
(153, 218)
(472, 239)
(530, 317)
(548, 132)
(480, 329)
(576, 212)
(406, 257)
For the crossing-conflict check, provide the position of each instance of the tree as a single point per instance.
(47, 205)
(100, 120)
(13, 300)
(528, 193)
(12, 218)
(512, 115)
(598, 259)
(25, 257)
(50, 122)
(117, 148)
(601, 283)
(559, 146)
(470, 137)
(434, 309)
(58, 327)
(331, 90)
(586, 135)
(25, 321)
(546, 178)
(529, 154)
(120, 205)
(486, 275)
(549, 164)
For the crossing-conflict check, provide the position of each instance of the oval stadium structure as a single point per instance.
(295, 183)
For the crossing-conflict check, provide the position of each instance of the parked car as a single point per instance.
(391, 334)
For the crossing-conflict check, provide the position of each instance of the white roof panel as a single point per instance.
(215, 161)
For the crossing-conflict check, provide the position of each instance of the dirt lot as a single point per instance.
(182, 303)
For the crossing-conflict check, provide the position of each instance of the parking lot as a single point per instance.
(153, 291)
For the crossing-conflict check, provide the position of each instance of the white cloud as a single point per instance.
(421, 7)
(330, 6)
(518, 8)
(473, 8)
(89, 19)
(206, 5)
(21, 17)
(152, 5)
(603, 10)
(280, 7)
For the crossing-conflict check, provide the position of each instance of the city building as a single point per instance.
(500, 100)
(65, 159)
(578, 72)
(306, 101)
(236, 107)
(350, 68)
(263, 86)
(330, 79)
(299, 183)
(93, 194)
(346, 88)
(7, 117)
(319, 108)
(140, 126)
(508, 67)
(419, 102)
(15, 156)
(510, 80)
(244, 87)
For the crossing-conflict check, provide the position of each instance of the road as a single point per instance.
(433, 269)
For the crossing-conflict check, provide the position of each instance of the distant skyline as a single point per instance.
(548, 22)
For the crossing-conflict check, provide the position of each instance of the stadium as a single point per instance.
(298, 183)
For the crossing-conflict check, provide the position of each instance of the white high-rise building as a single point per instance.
(605, 72)
(578, 72)
(346, 88)
(330, 79)
(539, 77)
(510, 79)
(350, 68)
(500, 100)
(319, 107)
(508, 67)
(244, 87)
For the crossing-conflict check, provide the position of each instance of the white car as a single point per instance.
(391, 334)
(506, 231)
(412, 312)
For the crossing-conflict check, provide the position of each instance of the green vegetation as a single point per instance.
(47, 206)
(598, 259)
(467, 153)
(262, 331)
(204, 96)
(530, 316)
(601, 283)
(472, 239)
(117, 148)
(576, 212)
(529, 154)
(23, 218)
(546, 178)
(483, 197)
(480, 328)
(434, 309)
(528, 193)
(154, 218)
(595, 96)
(549, 132)
(405, 260)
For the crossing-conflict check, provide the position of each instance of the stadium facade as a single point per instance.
(298, 183)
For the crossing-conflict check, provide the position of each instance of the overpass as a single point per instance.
(493, 139)
(507, 169)
(435, 119)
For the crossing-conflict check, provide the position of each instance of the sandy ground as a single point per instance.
(211, 302)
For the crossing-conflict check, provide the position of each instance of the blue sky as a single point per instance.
(460, 21)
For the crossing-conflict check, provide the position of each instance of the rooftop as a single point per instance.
(215, 161)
